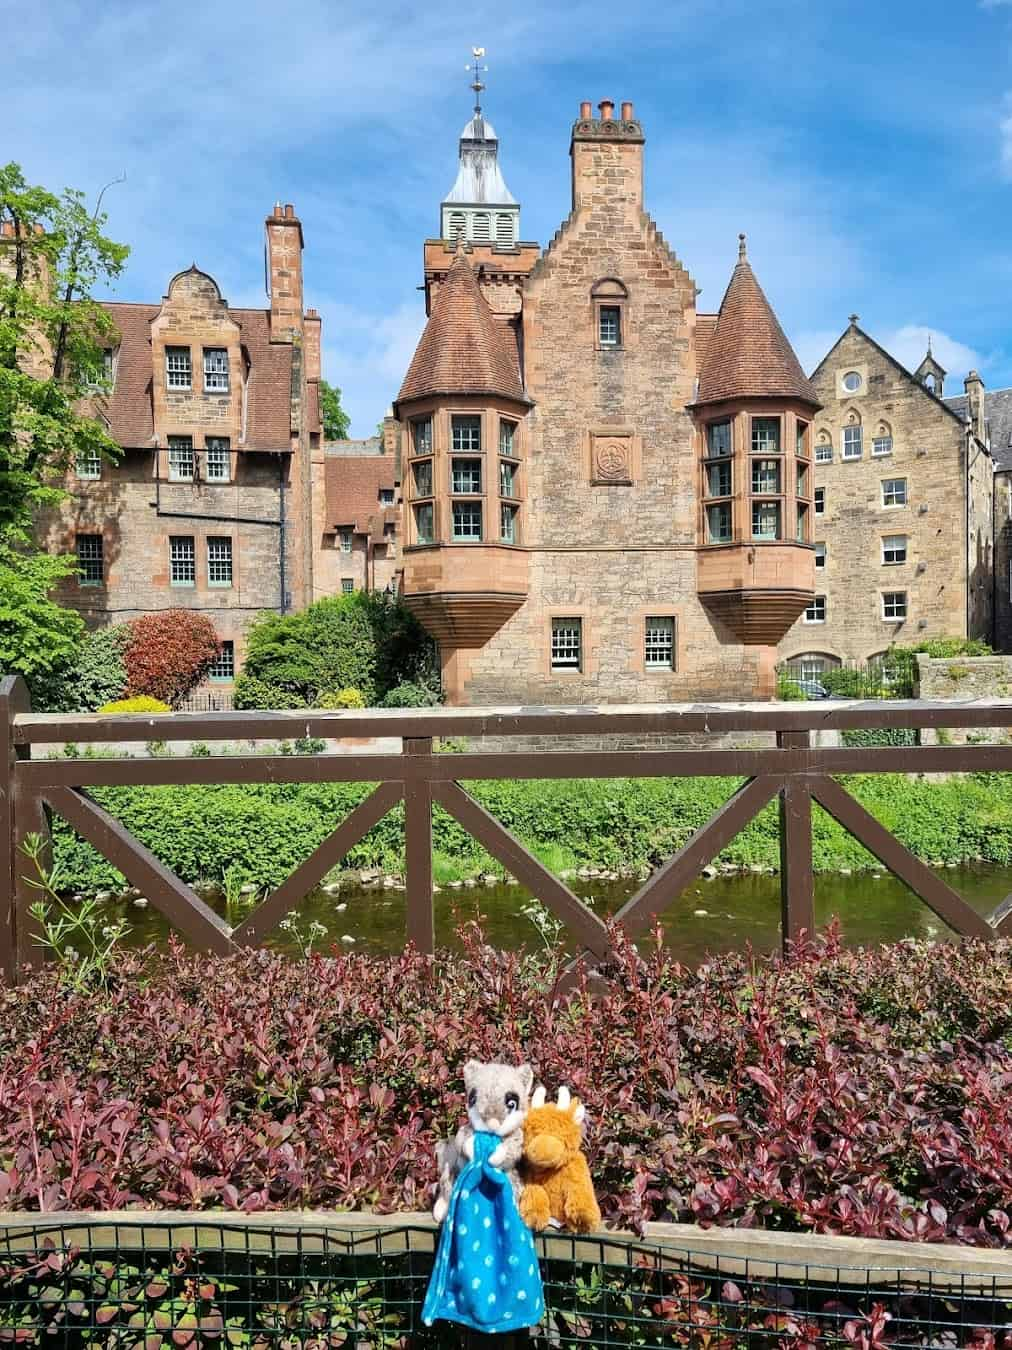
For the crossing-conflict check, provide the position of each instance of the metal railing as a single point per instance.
(794, 772)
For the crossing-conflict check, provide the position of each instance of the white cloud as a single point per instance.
(909, 343)
(370, 361)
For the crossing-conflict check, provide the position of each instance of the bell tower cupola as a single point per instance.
(479, 207)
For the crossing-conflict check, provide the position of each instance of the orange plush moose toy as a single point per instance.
(557, 1184)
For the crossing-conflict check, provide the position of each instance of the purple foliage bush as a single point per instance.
(860, 1092)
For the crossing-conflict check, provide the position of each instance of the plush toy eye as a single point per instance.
(472, 1097)
(512, 1101)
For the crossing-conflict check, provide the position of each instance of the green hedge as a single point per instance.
(266, 830)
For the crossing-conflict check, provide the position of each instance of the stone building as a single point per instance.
(902, 520)
(216, 410)
(357, 514)
(608, 495)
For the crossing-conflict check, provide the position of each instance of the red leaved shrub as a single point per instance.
(169, 653)
(859, 1092)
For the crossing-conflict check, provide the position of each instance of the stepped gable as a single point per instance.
(748, 354)
(464, 348)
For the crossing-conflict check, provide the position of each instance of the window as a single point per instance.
(466, 475)
(823, 450)
(99, 375)
(223, 665)
(808, 668)
(852, 381)
(718, 524)
(816, 611)
(507, 438)
(481, 225)
(765, 435)
(882, 445)
(217, 459)
(765, 475)
(718, 479)
(386, 496)
(507, 479)
(609, 326)
(765, 520)
(467, 520)
(894, 605)
(90, 560)
(89, 464)
(718, 440)
(219, 561)
(801, 439)
(820, 501)
(801, 533)
(852, 442)
(421, 436)
(347, 585)
(820, 555)
(182, 560)
(180, 459)
(423, 524)
(503, 229)
(894, 492)
(567, 644)
(457, 224)
(659, 647)
(215, 370)
(466, 433)
(894, 548)
(801, 476)
(423, 478)
(508, 523)
(177, 367)
(346, 541)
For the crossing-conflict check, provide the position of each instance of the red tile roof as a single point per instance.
(352, 486)
(748, 355)
(129, 407)
(705, 324)
(464, 348)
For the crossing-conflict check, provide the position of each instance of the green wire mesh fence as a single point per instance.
(142, 1285)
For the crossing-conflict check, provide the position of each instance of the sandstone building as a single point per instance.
(902, 524)
(609, 496)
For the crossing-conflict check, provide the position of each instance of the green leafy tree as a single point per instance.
(336, 422)
(52, 341)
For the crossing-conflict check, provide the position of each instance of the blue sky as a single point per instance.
(864, 145)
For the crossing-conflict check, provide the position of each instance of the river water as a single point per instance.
(711, 916)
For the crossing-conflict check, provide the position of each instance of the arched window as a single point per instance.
(882, 443)
(807, 667)
(458, 224)
(608, 298)
(481, 226)
(930, 383)
(853, 443)
(823, 445)
(504, 229)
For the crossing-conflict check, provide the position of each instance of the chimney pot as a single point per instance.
(289, 211)
(627, 112)
(278, 213)
(585, 110)
(311, 314)
(607, 109)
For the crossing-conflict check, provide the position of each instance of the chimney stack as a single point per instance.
(607, 157)
(974, 387)
(284, 271)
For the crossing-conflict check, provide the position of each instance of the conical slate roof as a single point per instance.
(748, 355)
(464, 348)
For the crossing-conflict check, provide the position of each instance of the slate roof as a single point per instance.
(464, 348)
(998, 412)
(129, 409)
(748, 355)
(352, 486)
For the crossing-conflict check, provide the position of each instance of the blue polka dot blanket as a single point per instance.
(486, 1274)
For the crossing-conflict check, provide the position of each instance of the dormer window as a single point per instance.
(386, 496)
(178, 374)
(215, 370)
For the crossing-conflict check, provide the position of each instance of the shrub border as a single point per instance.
(759, 1253)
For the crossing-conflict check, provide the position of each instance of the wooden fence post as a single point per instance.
(14, 699)
(421, 927)
(797, 898)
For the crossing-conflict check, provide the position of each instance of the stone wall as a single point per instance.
(929, 451)
(1003, 561)
(962, 679)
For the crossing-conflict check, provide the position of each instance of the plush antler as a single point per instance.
(539, 1096)
(563, 1099)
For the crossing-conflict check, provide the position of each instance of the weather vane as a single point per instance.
(476, 70)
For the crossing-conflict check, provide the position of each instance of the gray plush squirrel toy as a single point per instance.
(498, 1098)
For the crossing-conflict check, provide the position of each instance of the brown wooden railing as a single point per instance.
(795, 771)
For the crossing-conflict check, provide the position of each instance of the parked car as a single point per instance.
(810, 688)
